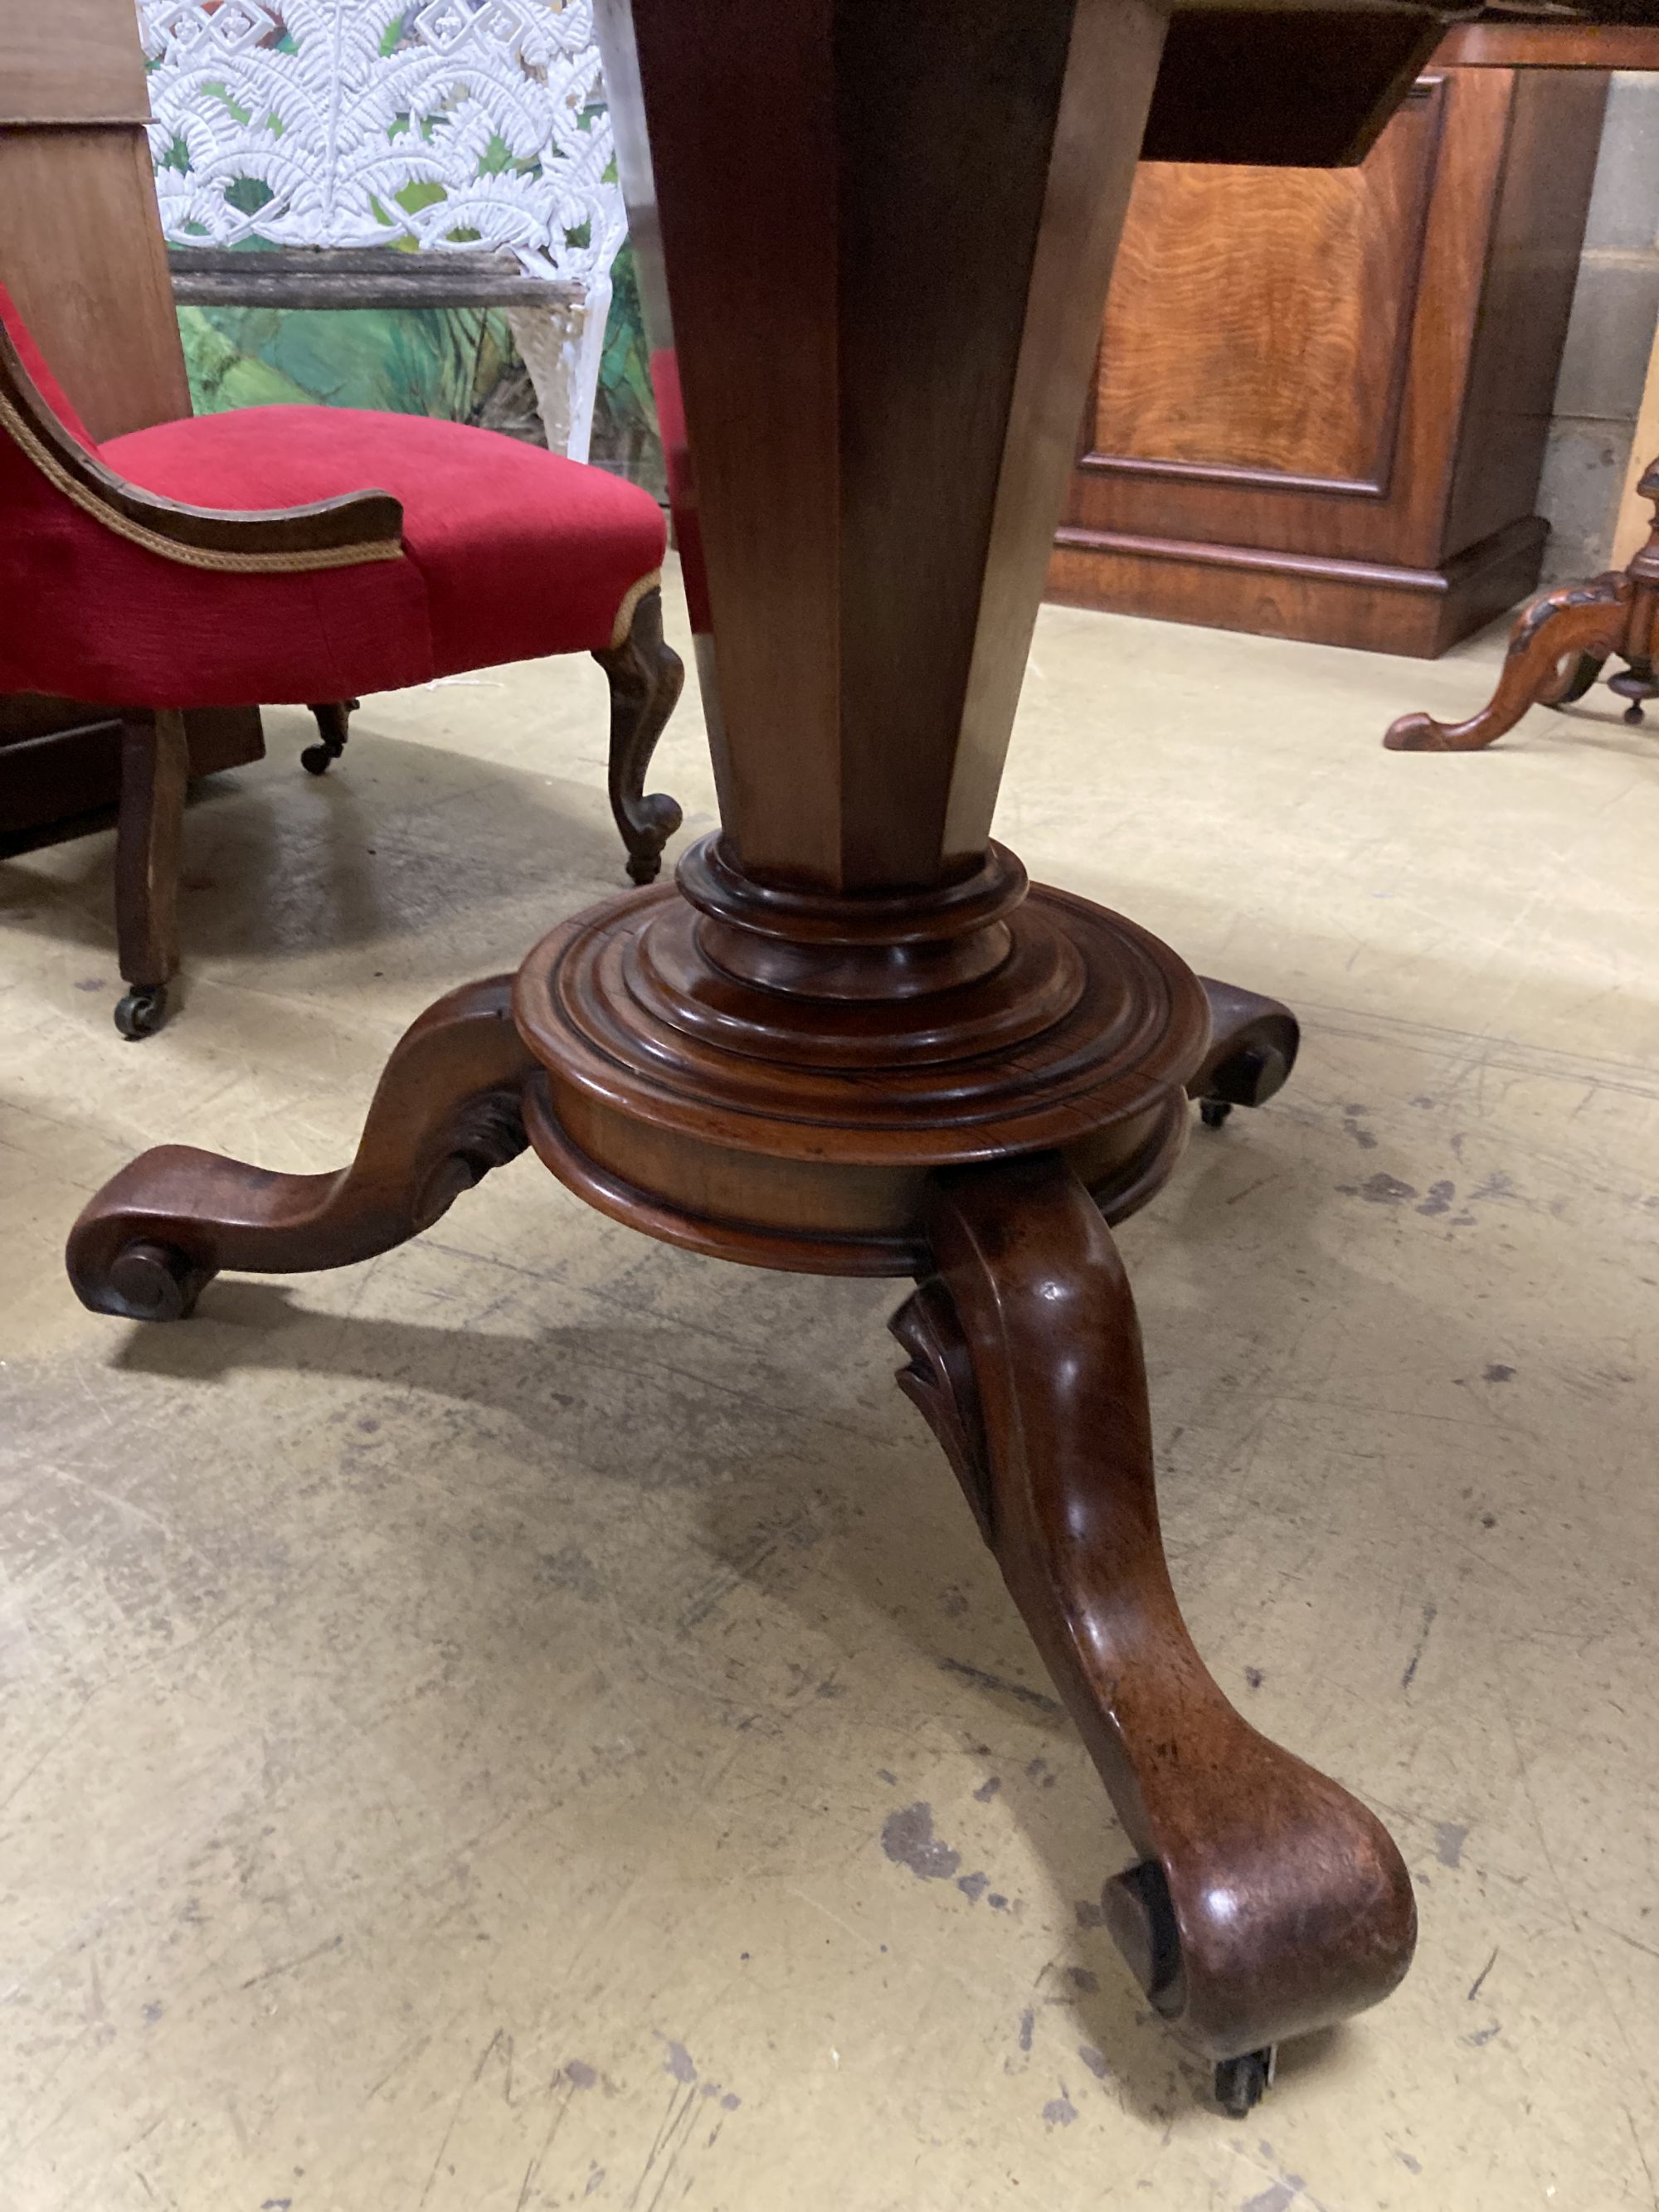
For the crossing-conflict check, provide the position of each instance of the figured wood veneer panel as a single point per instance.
(1259, 319)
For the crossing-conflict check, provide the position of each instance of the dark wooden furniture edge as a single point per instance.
(1548, 45)
(60, 763)
(330, 533)
(1426, 610)
(313, 276)
(1557, 648)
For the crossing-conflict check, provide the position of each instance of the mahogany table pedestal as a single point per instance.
(851, 1039)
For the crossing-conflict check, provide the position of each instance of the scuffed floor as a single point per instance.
(529, 1721)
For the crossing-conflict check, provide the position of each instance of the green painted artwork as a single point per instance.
(458, 363)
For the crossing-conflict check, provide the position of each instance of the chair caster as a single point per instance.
(333, 718)
(1213, 1112)
(143, 1010)
(1242, 2083)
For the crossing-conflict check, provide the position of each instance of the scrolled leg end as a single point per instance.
(138, 1279)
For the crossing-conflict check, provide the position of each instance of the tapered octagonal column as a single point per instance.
(875, 238)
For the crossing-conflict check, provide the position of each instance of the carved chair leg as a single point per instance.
(1583, 620)
(1264, 1900)
(645, 674)
(333, 727)
(148, 847)
(1252, 1047)
(444, 1112)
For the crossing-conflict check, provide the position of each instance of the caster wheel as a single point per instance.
(1213, 1112)
(142, 1012)
(153, 1282)
(1242, 2083)
(318, 759)
(1633, 714)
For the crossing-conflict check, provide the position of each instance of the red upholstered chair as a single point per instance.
(238, 560)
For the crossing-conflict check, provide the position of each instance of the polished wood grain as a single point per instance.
(1379, 606)
(1549, 46)
(1320, 376)
(874, 245)
(780, 1074)
(928, 265)
(1265, 1900)
(1328, 258)
(446, 1112)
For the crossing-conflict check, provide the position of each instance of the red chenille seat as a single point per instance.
(240, 559)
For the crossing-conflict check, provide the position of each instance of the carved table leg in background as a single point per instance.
(446, 1112)
(1549, 642)
(1556, 649)
(1265, 1900)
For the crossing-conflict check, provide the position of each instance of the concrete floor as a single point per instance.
(451, 1709)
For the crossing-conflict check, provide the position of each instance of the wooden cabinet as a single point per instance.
(1321, 396)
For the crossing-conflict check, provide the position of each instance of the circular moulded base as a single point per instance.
(744, 1087)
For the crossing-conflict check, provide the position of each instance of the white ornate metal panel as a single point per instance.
(302, 121)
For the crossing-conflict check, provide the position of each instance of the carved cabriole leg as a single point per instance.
(1562, 627)
(149, 848)
(444, 1112)
(1253, 1047)
(645, 674)
(333, 726)
(1266, 1901)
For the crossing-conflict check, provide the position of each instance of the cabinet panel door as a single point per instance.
(1260, 319)
(1285, 353)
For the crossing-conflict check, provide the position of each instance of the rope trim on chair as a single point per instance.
(630, 607)
(170, 549)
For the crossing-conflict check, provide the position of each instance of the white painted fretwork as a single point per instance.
(324, 111)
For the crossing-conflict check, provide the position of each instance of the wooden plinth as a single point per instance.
(771, 1076)
(1315, 597)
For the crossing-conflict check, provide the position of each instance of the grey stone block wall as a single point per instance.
(1609, 338)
